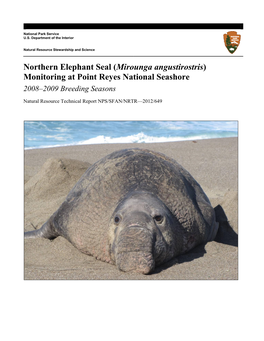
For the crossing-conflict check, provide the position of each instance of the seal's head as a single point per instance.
(141, 233)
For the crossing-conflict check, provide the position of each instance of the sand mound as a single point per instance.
(55, 177)
(46, 190)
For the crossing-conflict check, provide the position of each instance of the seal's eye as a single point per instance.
(117, 219)
(158, 218)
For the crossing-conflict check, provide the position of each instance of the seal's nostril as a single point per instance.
(117, 219)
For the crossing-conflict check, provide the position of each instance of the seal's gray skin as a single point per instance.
(134, 208)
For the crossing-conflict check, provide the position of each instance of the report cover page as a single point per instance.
(134, 171)
(146, 81)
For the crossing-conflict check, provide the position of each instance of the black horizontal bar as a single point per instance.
(133, 56)
(126, 26)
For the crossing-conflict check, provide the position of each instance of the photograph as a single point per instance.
(131, 200)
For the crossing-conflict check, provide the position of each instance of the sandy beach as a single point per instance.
(50, 174)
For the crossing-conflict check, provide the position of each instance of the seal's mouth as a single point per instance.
(139, 262)
(134, 250)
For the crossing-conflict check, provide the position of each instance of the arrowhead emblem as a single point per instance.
(232, 41)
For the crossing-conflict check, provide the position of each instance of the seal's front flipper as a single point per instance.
(46, 231)
(226, 234)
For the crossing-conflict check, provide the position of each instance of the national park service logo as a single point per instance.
(232, 40)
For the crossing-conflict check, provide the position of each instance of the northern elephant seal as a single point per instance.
(134, 208)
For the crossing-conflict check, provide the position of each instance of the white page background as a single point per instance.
(139, 309)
